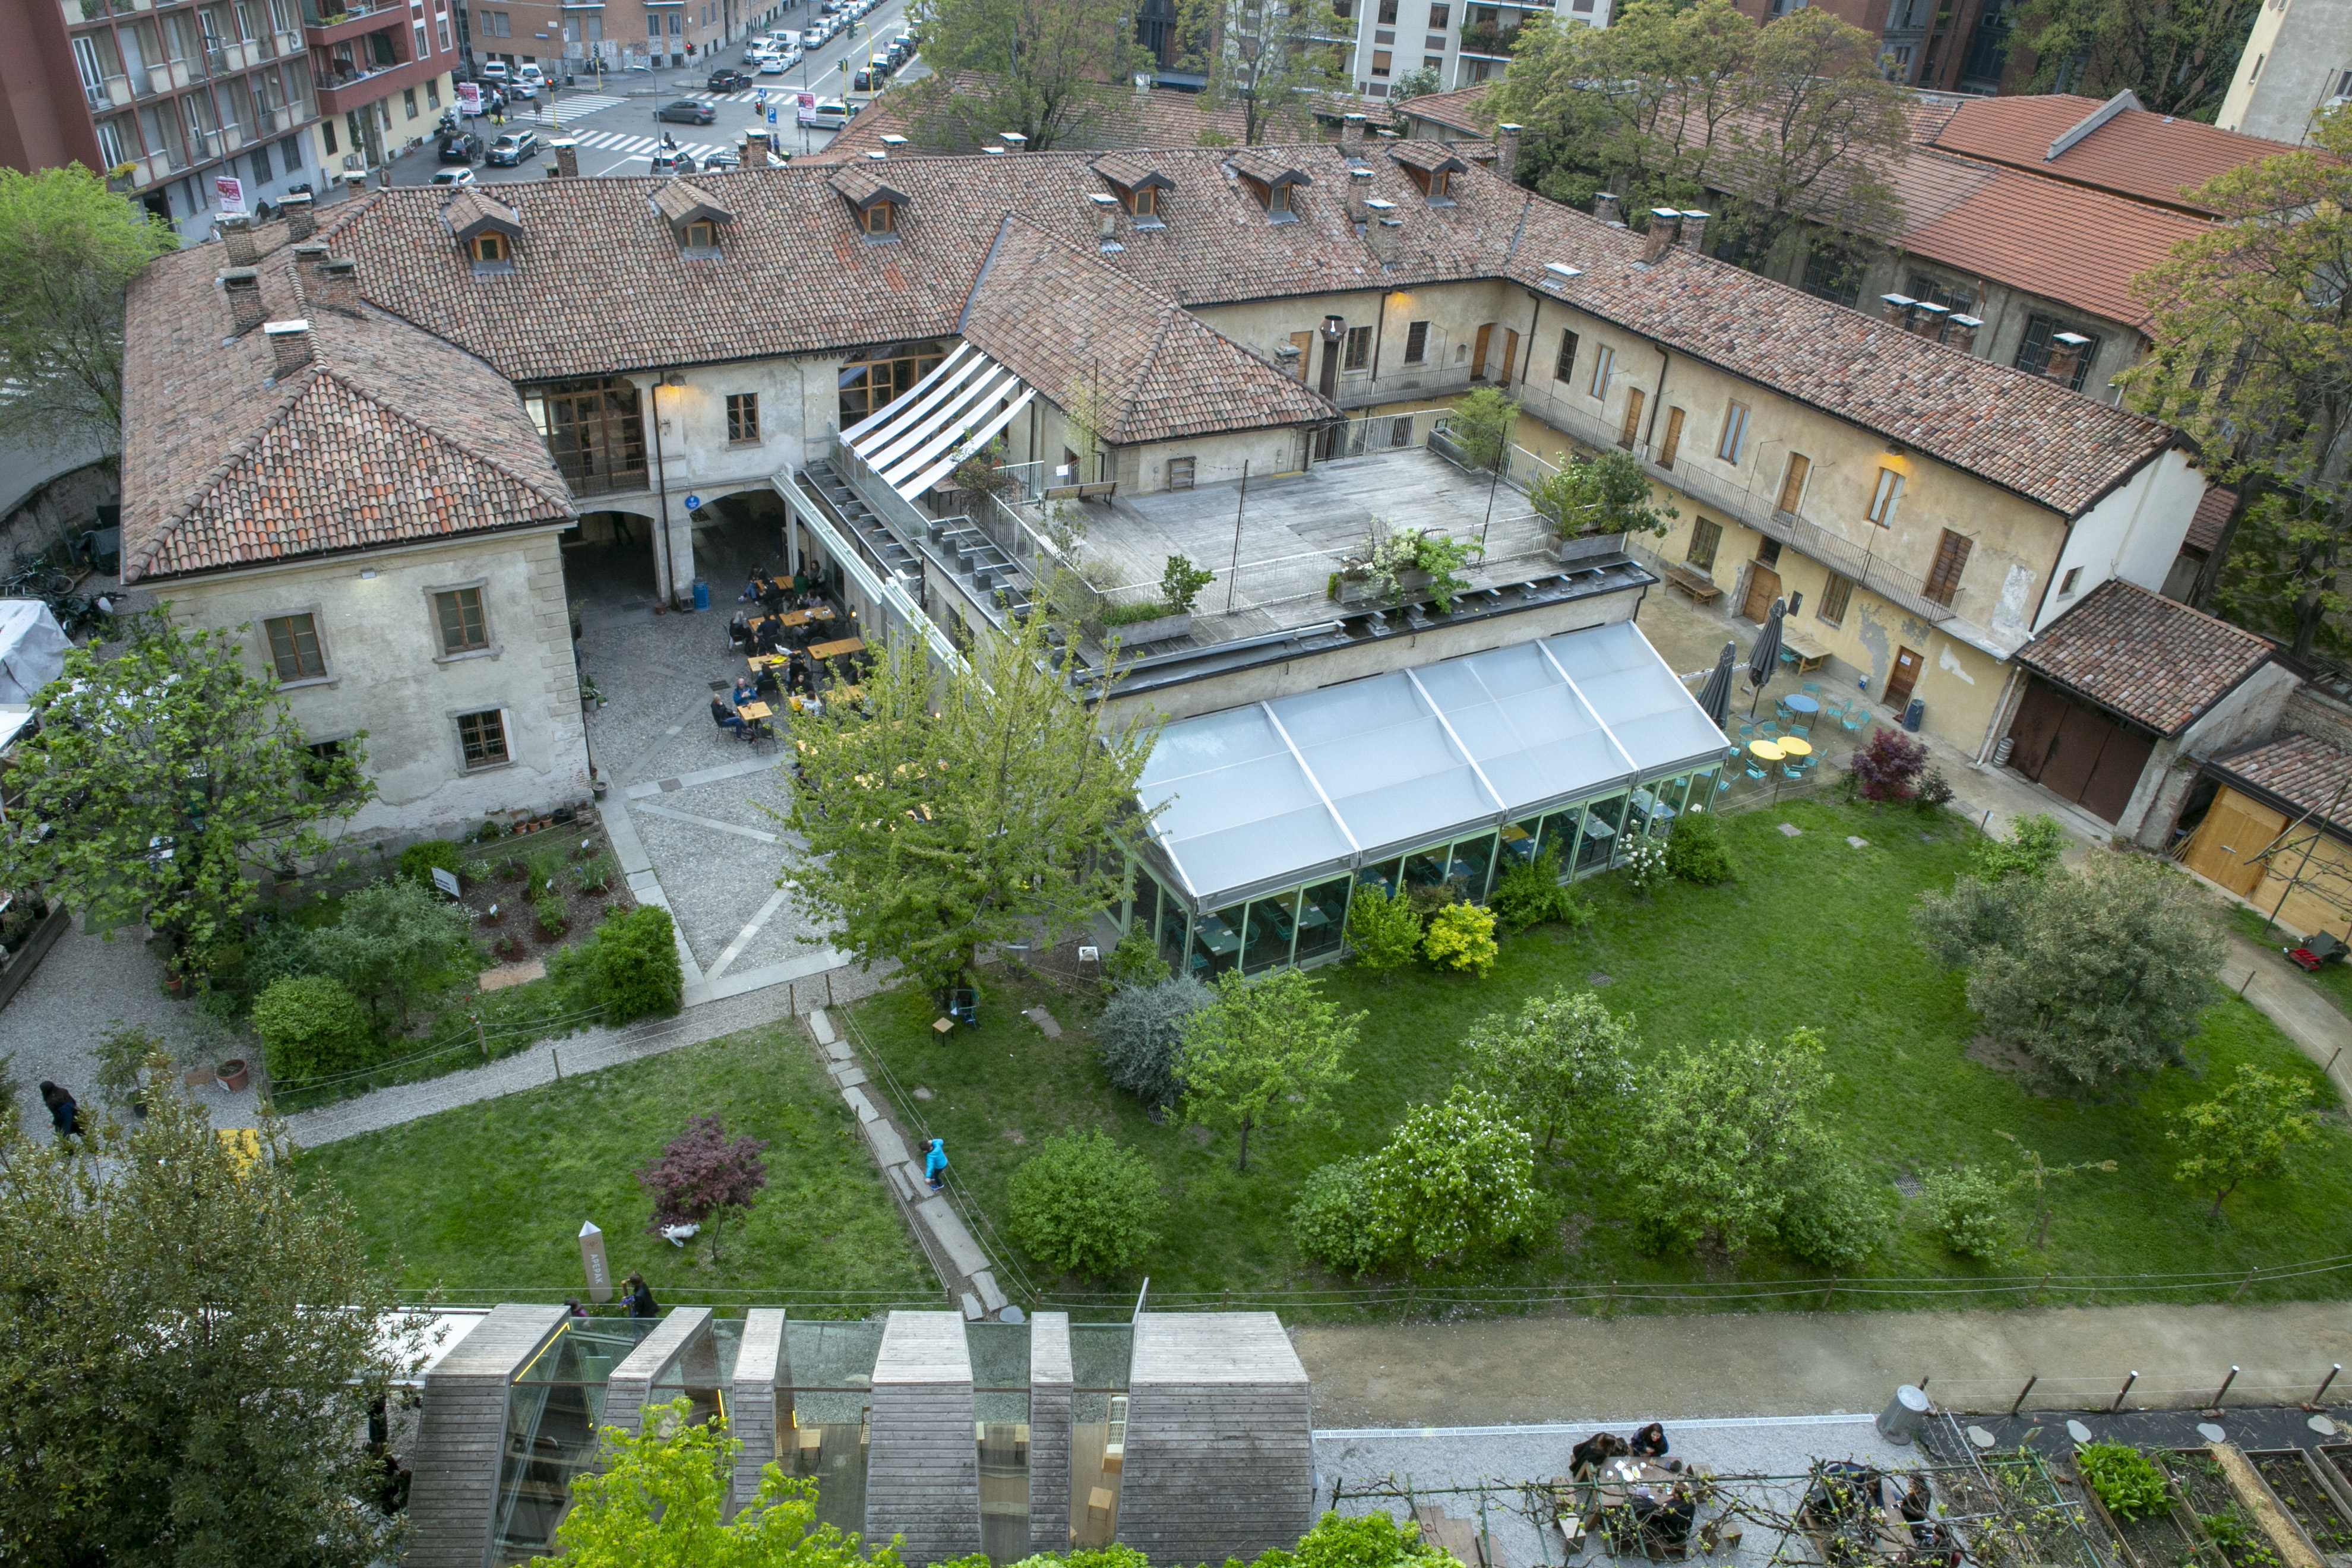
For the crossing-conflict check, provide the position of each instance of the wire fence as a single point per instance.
(475, 1045)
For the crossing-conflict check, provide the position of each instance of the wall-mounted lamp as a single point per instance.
(674, 378)
(1334, 327)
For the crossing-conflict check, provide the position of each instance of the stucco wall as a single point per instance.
(2251, 712)
(385, 674)
(2135, 533)
(2288, 68)
(1454, 313)
(2006, 310)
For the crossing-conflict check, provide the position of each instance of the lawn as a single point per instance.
(485, 1202)
(1814, 931)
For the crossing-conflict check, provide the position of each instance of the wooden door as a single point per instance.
(2035, 726)
(1904, 676)
(1792, 482)
(1478, 352)
(2226, 843)
(1674, 441)
(1632, 424)
(1763, 587)
(1510, 356)
(1304, 344)
(2115, 774)
(2075, 755)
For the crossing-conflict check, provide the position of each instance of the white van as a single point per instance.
(493, 70)
(826, 114)
(531, 73)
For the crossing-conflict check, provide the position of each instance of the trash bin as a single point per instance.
(1914, 715)
(1900, 1422)
(702, 601)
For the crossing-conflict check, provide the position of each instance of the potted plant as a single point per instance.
(1398, 566)
(1593, 503)
(1170, 615)
(233, 1073)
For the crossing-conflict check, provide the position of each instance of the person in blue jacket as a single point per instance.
(935, 1163)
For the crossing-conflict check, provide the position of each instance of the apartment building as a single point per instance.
(384, 75)
(2296, 65)
(1464, 43)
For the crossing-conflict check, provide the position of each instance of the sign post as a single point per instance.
(446, 880)
(469, 99)
(591, 1258)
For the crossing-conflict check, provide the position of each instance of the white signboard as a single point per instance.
(469, 98)
(807, 103)
(231, 191)
(446, 880)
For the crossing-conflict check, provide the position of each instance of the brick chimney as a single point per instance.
(1352, 133)
(291, 342)
(308, 258)
(1928, 319)
(567, 157)
(1381, 230)
(2065, 357)
(1107, 210)
(1963, 335)
(1695, 230)
(237, 234)
(243, 285)
(1359, 190)
(1014, 141)
(1507, 153)
(1605, 208)
(1663, 224)
(301, 222)
(339, 287)
(1895, 310)
(755, 150)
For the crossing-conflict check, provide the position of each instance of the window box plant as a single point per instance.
(1398, 566)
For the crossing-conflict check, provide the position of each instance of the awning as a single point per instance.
(1273, 794)
(917, 440)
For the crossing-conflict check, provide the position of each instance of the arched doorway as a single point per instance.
(608, 563)
(733, 534)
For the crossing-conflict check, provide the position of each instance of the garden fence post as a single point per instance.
(2326, 1381)
(1609, 1301)
(481, 1039)
(2126, 1388)
(558, 1060)
(1829, 1292)
(2222, 1393)
(2242, 1285)
(2019, 1402)
(828, 987)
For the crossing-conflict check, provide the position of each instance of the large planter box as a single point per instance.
(1160, 628)
(1366, 590)
(1585, 546)
(21, 963)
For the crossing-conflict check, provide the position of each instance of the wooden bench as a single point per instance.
(1697, 583)
(1103, 490)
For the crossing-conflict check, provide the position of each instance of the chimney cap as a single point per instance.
(891, 139)
(299, 199)
(1014, 138)
(1930, 305)
(1967, 320)
(1694, 212)
(1356, 116)
(280, 329)
(241, 277)
(876, 153)
(574, 141)
(1364, 172)
(1506, 125)
(2072, 340)
(1901, 301)
(1664, 212)
(996, 150)
(1102, 200)
(1380, 204)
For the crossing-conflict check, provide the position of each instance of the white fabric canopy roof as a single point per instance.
(917, 440)
(1273, 794)
(32, 648)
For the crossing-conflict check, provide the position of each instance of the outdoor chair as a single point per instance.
(1755, 771)
(1854, 718)
(1811, 688)
(1767, 731)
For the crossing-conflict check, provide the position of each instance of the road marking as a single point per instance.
(743, 938)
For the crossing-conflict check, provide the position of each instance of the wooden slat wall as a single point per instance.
(922, 1472)
(626, 1390)
(1049, 1432)
(1219, 1439)
(462, 1436)
(751, 1399)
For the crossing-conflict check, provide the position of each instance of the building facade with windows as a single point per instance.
(2296, 65)
(1462, 43)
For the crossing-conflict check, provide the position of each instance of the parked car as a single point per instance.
(669, 162)
(728, 82)
(523, 87)
(463, 148)
(882, 65)
(774, 65)
(826, 115)
(687, 112)
(866, 81)
(510, 149)
(812, 38)
(453, 176)
(494, 71)
(897, 54)
(531, 73)
(722, 158)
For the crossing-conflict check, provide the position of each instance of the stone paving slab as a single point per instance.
(888, 1146)
(940, 1217)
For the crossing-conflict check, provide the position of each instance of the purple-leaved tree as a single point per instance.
(1888, 768)
(701, 1175)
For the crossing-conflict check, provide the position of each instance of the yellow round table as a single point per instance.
(1796, 746)
(1767, 751)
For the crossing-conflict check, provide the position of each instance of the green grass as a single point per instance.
(1812, 932)
(485, 1202)
(2334, 981)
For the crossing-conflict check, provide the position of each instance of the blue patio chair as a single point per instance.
(1199, 964)
(1747, 728)
(1854, 718)
(1799, 727)
(1793, 770)
(1811, 688)
(1755, 771)
(1724, 783)
(1767, 731)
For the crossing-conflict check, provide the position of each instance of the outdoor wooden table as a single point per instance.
(755, 710)
(1810, 656)
(759, 661)
(838, 649)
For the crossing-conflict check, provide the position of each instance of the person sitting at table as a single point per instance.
(725, 717)
(770, 638)
(754, 586)
(772, 597)
(800, 678)
(1669, 1522)
(738, 631)
(1650, 1442)
(744, 691)
(1590, 1454)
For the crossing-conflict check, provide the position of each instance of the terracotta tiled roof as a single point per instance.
(864, 185)
(1060, 317)
(1268, 167)
(469, 212)
(800, 279)
(1455, 110)
(2152, 659)
(2151, 157)
(2212, 516)
(1427, 156)
(680, 200)
(1130, 170)
(2307, 773)
(388, 436)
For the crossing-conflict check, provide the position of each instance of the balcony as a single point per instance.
(1493, 42)
(363, 87)
(337, 25)
(164, 77)
(111, 93)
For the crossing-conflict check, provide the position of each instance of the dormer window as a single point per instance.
(1278, 198)
(701, 235)
(1146, 202)
(485, 229)
(1438, 181)
(491, 247)
(1270, 180)
(1430, 165)
(881, 218)
(692, 216)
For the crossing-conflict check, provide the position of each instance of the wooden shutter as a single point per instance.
(1674, 441)
(1632, 424)
(1951, 559)
(1792, 483)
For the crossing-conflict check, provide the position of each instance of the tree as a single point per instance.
(935, 827)
(1480, 425)
(1137, 1035)
(1266, 1053)
(2176, 58)
(701, 1175)
(2253, 358)
(161, 777)
(69, 249)
(2095, 972)
(1889, 766)
(2034, 1175)
(1697, 849)
(1970, 1209)
(1085, 1205)
(2242, 1133)
(2032, 847)
(1419, 83)
(1838, 1213)
(175, 1393)
(1264, 55)
(1384, 931)
(1333, 1220)
(1565, 1063)
(1603, 494)
(1043, 67)
(396, 942)
(658, 1498)
(1360, 1540)
(1735, 1129)
(1454, 1179)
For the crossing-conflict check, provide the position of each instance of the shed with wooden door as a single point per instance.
(2278, 831)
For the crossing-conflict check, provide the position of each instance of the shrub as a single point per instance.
(595, 875)
(1332, 1220)
(309, 1027)
(545, 867)
(2123, 1478)
(421, 859)
(1136, 960)
(1888, 768)
(1697, 851)
(1480, 425)
(512, 868)
(1644, 866)
(1181, 583)
(1138, 1033)
(396, 943)
(628, 966)
(554, 915)
(701, 1175)
(1384, 931)
(1461, 937)
(1970, 1209)
(1427, 899)
(1528, 893)
(1084, 1205)
(2033, 845)
(1934, 790)
(1840, 1216)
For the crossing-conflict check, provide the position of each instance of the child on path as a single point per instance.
(935, 1163)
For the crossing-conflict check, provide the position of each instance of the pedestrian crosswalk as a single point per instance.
(579, 106)
(643, 146)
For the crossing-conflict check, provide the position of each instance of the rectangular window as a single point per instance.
(1359, 355)
(1380, 58)
(1883, 498)
(1416, 343)
(882, 217)
(1674, 441)
(482, 737)
(1146, 201)
(1768, 552)
(290, 153)
(1278, 198)
(2035, 350)
(743, 417)
(1835, 594)
(433, 84)
(1388, 12)
(1951, 559)
(1180, 472)
(2066, 583)
(294, 648)
(463, 630)
(1792, 482)
(1633, 422)
(1440, 15)
(490, 246)
(1565, 365)
(1734, 434)
(699, 236)
(408, 101)
(327, 135)
(1604, 359)
(1706, 535)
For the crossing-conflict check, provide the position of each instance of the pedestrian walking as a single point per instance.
(64, 1114)
(641, 1299)
(935, 1164)
(577, 1310)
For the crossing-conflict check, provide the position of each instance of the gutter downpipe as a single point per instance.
(661, 485)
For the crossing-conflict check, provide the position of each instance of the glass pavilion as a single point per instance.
(1576, 744)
